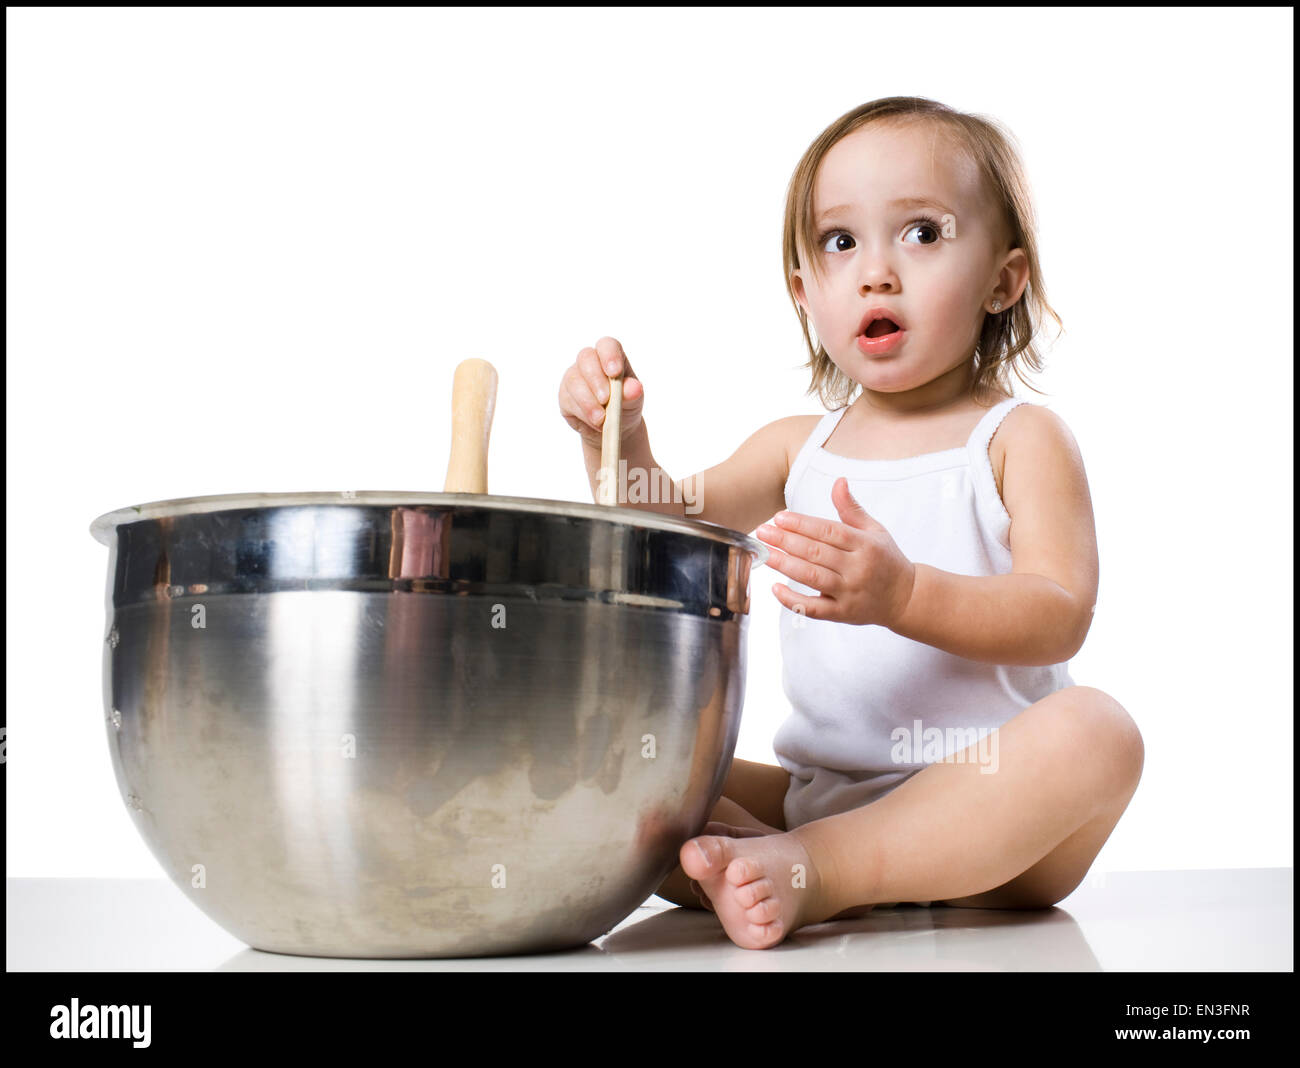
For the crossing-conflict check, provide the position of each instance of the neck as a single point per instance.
(948, 389)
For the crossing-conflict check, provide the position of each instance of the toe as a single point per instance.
(743, 870)
(767, 935)
(705, 857)
(755, 892)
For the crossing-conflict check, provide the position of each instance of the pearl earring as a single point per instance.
(997, 305)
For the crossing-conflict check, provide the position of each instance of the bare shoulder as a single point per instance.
(796, 430)
(789, 434)
(748, 488)
(1033, 434)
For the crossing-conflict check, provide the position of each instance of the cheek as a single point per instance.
(819, 309)
(950, 301)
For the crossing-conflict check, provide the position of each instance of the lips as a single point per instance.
(879, 321)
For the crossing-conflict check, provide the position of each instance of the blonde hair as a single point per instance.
(1006, 341)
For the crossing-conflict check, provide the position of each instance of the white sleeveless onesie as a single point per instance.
(850, 686)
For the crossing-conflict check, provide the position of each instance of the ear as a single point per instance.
(1013, 277)
(796, 286)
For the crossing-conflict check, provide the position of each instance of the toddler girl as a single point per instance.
(938, 538)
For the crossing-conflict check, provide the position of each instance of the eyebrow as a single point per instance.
(901, 202)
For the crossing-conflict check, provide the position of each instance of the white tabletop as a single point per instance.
(1219, 920)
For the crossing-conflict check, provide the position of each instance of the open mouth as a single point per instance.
(881, 327)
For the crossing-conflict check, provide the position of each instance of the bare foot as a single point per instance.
(760, 886)
(731, 831)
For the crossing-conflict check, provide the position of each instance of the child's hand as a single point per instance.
(584, 391)
(861, 574)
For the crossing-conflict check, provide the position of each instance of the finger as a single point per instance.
(613, 360)
(789, 564)
(849, 508)
(810, 607)
(820, 553)
(593, 373)
(815, 528)
(589, 365)
(582, 403)
(779, 561)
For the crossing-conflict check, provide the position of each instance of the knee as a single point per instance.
(1111, 731)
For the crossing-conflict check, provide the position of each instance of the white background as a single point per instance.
(247, 249)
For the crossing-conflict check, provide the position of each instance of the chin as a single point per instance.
(886, 383)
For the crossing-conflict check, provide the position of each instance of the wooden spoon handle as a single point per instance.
(473, 399)
(607, 486)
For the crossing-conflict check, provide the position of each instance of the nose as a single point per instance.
(876, 275)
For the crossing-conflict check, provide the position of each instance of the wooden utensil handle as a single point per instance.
(473, 399)
(607, 487)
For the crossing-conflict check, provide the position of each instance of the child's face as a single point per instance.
(877, 254)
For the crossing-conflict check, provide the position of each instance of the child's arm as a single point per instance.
(634, 452)
(738, 493)
(1041, 612)
(749, 486)
(1038, 614)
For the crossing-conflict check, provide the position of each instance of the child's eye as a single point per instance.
(926, 224)
(841, 235)
(835, 233)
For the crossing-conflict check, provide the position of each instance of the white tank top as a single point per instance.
(850, 686)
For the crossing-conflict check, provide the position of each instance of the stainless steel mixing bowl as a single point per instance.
(407, 725)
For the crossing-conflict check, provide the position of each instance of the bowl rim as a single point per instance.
(103, 526)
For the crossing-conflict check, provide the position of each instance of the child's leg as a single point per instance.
(1023, 836)
(760, 790)
(1028, 832)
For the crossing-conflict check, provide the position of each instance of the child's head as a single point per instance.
(941, 267)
